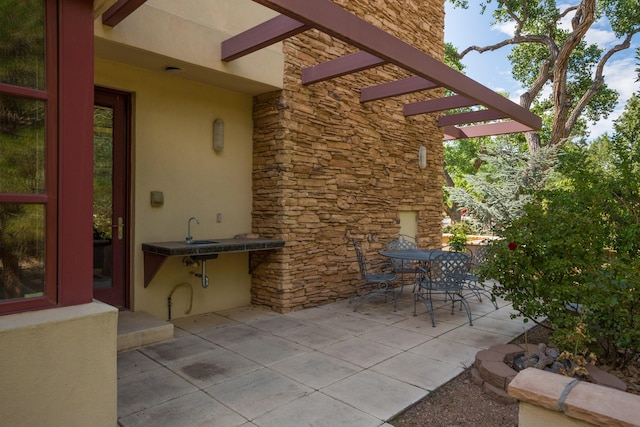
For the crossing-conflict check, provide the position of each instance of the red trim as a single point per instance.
(75, 178)
(23, 198)
(23, 91)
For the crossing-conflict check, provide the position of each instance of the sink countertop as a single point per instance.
(177, 248)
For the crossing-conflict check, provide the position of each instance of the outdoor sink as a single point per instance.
(202, 242)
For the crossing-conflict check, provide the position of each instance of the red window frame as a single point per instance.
(69, 160)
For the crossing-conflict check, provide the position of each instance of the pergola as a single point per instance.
(498, 114)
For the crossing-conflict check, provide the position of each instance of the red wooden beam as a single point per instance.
(452, 132)
(440, 104)
(347, 64)
(396, 88)
(470, 117)
(272, 31)
(337, 22)
(120, 10)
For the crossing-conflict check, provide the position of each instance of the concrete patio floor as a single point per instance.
(323, 366)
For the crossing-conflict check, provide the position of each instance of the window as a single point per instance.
(40, 129)
(27, 151)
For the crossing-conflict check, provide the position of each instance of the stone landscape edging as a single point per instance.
(493, 372)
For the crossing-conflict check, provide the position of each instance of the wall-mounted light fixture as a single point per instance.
(218, 135)
(422, 157)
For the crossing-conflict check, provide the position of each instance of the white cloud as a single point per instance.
(507, 28)
(620, 75)
(602, 38)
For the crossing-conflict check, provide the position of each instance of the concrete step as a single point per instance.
(136, 329)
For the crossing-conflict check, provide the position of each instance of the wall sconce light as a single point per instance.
(422, 157)
(218, 135)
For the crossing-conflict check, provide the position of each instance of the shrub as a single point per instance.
(555, 262)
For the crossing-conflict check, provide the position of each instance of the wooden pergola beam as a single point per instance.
(489, 129)
(347, 64)
(120, 10)
(262, 35)
(396, 88)
(337, 22)
(439, 104)
(470, 117)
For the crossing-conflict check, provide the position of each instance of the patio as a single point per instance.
(323, 366)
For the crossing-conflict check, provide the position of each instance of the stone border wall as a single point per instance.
(327, 167)
(548, 399)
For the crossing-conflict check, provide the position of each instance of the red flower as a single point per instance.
(512, 246)
(463, 212)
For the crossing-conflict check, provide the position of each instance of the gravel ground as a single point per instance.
(461, 403)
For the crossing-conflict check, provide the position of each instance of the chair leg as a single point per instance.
(466, 307)
(428, 304)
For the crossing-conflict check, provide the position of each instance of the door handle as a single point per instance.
(120, 227)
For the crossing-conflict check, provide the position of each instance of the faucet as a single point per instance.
(189, 239)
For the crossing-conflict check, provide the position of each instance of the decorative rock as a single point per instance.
(598, 376)
(492, 372)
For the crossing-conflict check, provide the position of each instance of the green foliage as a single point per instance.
(562, 74)
(498, 192)
(459, 231)
(574, 256)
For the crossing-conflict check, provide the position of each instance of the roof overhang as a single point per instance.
(376, 48)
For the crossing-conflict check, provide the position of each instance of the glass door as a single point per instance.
(110, 196)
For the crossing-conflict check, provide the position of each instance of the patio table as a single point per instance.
(422, 256)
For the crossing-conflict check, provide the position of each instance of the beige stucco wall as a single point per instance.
(58, 367)
(173, 118)
(172, 152)
(188, 34)
(325, 167)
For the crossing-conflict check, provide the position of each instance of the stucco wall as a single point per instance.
(188, 34)
(172, 152)
(58, 367)
(327, 167)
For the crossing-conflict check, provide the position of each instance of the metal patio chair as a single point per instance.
(472, 281)
(445, 277)
(403, 267)
(376, 275)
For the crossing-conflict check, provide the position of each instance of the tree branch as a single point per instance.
(581, 22)
(544, 40)
(598, 81)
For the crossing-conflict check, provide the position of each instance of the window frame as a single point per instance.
(67, 198)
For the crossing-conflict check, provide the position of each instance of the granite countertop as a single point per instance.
(217, 246)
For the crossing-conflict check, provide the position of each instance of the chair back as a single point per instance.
(479, 255)
(401, 243)
(362, 260)
(449, 270)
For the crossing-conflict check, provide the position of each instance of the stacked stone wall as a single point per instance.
(327, 167)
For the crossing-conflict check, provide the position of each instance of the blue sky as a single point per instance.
(468, 27)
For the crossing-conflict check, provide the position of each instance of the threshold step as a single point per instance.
(137, 329)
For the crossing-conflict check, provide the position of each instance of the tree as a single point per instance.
(574, 256)
(547, 56)
(497, 194)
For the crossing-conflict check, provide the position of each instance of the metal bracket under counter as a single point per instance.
(155, 254)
